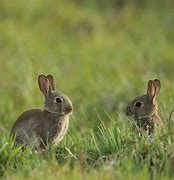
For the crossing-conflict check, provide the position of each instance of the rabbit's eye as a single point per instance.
(138, 104)
(59, 100)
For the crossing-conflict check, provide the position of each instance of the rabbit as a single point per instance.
(40, 127)
(144, 108)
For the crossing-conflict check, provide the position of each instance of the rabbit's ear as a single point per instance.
(51, 80)
(43, 84)
(157, 85)
(151, 91)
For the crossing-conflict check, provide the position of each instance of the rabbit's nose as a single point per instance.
(69, 109)
(128, 112)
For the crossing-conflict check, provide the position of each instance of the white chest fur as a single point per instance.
(63, 127)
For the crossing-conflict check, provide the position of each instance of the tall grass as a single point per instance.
(101, 54)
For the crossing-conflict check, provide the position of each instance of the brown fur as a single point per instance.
(38, 128)
(145, 115)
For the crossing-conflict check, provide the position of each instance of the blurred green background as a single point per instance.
(101, 53)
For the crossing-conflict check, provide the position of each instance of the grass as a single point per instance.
(101, 56)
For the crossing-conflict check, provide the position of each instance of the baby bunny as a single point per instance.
(144, 108)
(48, 126)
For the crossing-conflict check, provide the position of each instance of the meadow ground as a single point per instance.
(101, 54)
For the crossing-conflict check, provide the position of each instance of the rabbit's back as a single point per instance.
(26, 121)
(37, 127)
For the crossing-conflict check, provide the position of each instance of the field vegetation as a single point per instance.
(102, 53)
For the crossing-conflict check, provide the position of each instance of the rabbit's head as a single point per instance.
(145, 106)
(55, 102)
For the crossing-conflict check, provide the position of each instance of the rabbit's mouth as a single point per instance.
(69, 109)
(128, 112)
